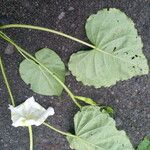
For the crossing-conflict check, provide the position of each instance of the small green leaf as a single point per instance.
(86, 100)
(40, 80)
(118, 51)
(108, 109)
(144, 145)
(96, 130)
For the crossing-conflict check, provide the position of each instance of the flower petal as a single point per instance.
(47, 113)
(29, 113)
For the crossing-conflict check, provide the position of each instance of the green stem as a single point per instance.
(59, 131)
(47, 30)
(13, 101)
(6, 82)
(24, 54)
(31, 137)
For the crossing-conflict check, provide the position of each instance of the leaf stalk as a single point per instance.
(31, 137)
(57, 130)
(46, 30)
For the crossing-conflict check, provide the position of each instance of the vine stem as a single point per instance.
(31, 137)
(24, 54)
(57, 130)
(6, 82)
(13, 101)
(47, 30)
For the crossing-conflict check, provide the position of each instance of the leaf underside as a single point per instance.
(118, 54)
(95, 130)
(40, 80)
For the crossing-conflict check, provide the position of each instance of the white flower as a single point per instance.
(29, 113)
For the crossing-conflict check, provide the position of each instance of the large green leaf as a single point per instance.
(117, 54)
(40, 80)
(144, 145)
(95, 130)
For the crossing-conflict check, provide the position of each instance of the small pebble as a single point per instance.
(70, 8)
(61, 15)
(26, 3)
(9, 49)
(73, 25)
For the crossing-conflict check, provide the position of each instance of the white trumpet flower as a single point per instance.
(29, 113)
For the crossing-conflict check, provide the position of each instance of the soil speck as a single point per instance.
(70, 8)
(9, 49)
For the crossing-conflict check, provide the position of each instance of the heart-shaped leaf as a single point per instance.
(95, 130)
(40, 80)
(118, 51)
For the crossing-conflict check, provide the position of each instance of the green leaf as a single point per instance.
(118, 51)
(40, 80)
(144, 145)
(109, 110)
(95, 130)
